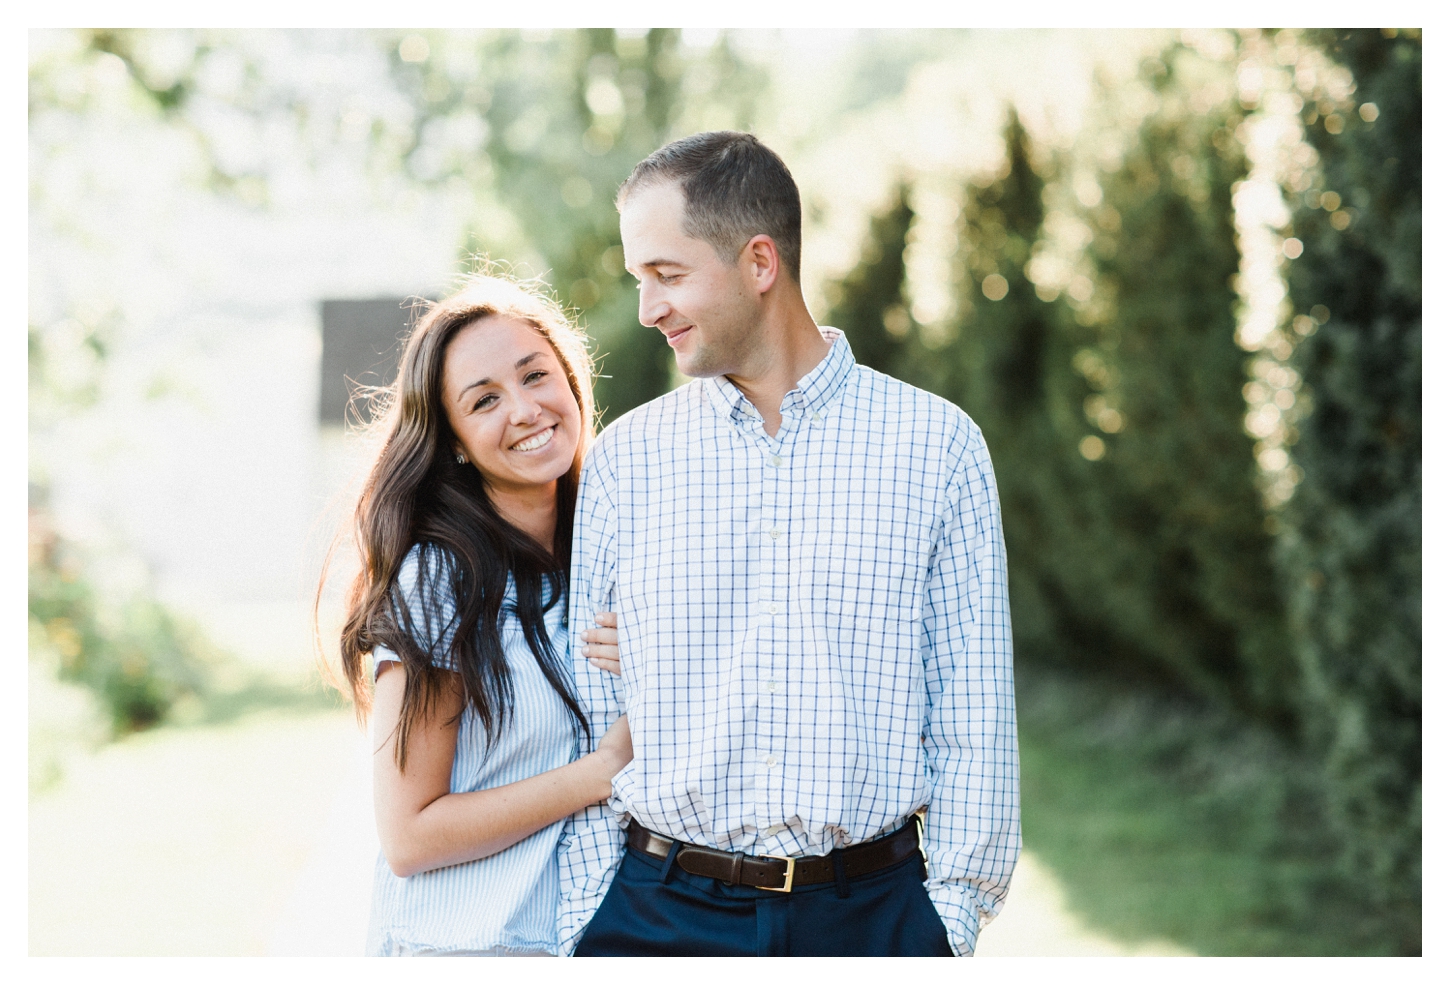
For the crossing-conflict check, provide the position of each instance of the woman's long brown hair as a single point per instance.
(417, 495)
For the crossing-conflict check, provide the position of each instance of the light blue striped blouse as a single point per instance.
(508, 901)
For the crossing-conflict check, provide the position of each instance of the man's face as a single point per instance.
(703, 305)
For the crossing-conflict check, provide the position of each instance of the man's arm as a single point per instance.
(592, 841)
(973, 826)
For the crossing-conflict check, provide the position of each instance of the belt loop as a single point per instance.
(670, 861)
(737, 865)
(843, 886)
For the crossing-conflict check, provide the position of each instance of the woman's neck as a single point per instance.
(534, 511)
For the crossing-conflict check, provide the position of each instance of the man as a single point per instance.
(806, 559)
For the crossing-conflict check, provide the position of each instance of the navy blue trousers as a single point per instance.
(648, 911)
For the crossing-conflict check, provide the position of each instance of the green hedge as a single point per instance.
(1139, 545)
(1351, 549)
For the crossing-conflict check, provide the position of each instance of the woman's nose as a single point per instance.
(526, 409)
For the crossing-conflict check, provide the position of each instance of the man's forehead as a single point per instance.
(651, 226)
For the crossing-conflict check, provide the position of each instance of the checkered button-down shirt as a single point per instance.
(814, 633)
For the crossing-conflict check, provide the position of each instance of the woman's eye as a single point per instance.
(488, 400)
(537, 374)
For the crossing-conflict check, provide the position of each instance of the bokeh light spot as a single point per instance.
(897, 321)
(994, 287)
(576, 192)
(413, 48)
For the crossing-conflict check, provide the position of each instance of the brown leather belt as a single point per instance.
(780, 873)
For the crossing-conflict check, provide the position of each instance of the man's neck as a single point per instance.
(791, 347)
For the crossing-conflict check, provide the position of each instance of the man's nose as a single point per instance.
(652, 309)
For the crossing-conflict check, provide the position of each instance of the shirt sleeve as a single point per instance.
(973, 827)
(592, 842)
(422, 604)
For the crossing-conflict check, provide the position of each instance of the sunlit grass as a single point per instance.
(1165, 820)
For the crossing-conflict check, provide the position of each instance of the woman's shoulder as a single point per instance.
(425, 580)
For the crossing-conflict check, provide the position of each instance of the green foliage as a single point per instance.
(1133, 523)
(867, 305)
(139, 661)
(1169, 559)
(1010, 369)
(1351, 548)
(1137, 535)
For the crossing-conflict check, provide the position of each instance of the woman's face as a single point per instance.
(508, 401)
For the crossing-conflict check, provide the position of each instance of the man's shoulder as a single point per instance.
(650, 420)
(910, 407)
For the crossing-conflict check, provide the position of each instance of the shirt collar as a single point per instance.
(812, 393)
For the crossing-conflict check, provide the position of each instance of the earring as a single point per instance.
(462, 459)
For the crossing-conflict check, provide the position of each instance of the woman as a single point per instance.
(464, 527)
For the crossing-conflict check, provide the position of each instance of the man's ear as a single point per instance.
(761, 262)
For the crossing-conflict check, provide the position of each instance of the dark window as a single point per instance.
(362, 342)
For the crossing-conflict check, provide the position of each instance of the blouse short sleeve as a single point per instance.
(423, 606)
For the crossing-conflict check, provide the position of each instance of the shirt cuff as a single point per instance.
(958, 911)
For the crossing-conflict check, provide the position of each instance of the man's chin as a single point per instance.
(691, 365)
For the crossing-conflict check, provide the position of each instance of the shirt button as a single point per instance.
(774, 830)
(771, 686)
(816, 416)
(772, 608)
(774, 533)
(769, 760)
(775, 461)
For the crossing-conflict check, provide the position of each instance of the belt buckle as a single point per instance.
(789, 874)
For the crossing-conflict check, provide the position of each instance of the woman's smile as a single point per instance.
(535, 441)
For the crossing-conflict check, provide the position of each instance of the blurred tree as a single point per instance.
(867, 305)
(566, 117)
(1163, 553)
(1134, 527)
(1009, 367)
(1351, 543)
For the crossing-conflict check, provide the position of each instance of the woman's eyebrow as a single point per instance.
(487, 379)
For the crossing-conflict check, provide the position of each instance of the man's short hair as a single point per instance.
(735, 188)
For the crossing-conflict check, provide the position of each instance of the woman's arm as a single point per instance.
(422, 826)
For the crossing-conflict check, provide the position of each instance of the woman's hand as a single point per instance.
(601, 646)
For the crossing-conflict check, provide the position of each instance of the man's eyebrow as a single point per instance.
(487, 380)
